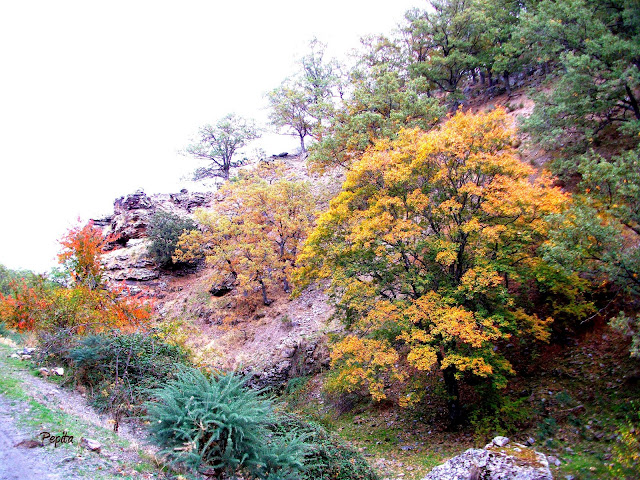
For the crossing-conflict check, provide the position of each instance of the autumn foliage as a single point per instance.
(253, 234)
(421, 246)
(86, 305)
(80, 255)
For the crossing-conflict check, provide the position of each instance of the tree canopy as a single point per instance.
(218, 145)
(420, 246)
(302, 102)
(253, 235)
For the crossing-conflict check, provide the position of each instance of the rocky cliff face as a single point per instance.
(271, 345)
(126, 258)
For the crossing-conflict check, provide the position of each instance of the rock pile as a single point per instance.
(499, 460)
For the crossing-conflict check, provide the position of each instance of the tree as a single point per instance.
(598, 238)
(164, 232)
(253, 235)
(217, 144)
(596, 46)
(420, 247)
(302, 102)
(381, 104)
(290, 107)
(447, 40)
(80, 255)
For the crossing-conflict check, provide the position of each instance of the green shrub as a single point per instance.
(220, 424)
(164, 231)
(626, 451)
(328, 458)
(121, 368)
(547, 429)
(116, 368)
(505, 418)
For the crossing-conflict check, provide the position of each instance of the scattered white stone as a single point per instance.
(553, 460)
(25, 357)
(92, 445)
(44, 372)
(58, 371)
(14, 355)
(500, 441)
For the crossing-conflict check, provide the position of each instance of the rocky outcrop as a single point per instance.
(295, 357)
(131, 213)
(130, 263)
(499, 460)
(126, 257)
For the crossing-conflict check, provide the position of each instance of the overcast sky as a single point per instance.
(97, 98)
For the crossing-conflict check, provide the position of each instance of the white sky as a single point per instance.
(96, 98)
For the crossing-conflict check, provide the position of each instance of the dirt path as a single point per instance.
(31, 405)
(73, 403)
(18, 463)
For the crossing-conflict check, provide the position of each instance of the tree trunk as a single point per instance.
(633, 101)
(506, 82)
(482, 77)
(302, 148)
(265, 300)
(490, 78)
(453, 394)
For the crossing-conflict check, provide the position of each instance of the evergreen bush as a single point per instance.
(328, 458)
(218, 424)
(164, 231)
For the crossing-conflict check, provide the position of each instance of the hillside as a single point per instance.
(451, 262)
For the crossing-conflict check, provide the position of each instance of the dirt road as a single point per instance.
(20, 463)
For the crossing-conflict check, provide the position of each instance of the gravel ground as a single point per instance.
(119, 456)
(19, 463)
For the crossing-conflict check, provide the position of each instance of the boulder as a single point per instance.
(511, 461)
(224, 286)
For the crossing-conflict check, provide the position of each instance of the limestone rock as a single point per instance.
(130, 263)
(126, 258)
(510, 461)
(500, 441)
(92, 445)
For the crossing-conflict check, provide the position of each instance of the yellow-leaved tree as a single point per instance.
(252, 236)
(420, 247)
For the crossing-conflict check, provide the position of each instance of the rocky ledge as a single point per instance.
(499, 460)
(126, 258)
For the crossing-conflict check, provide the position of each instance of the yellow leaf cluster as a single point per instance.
(254, 232)
(363, 363)
(421, 239)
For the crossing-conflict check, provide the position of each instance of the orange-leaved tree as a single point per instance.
(85, 305)
(420, 247)
(80, 255)
(254, 233)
